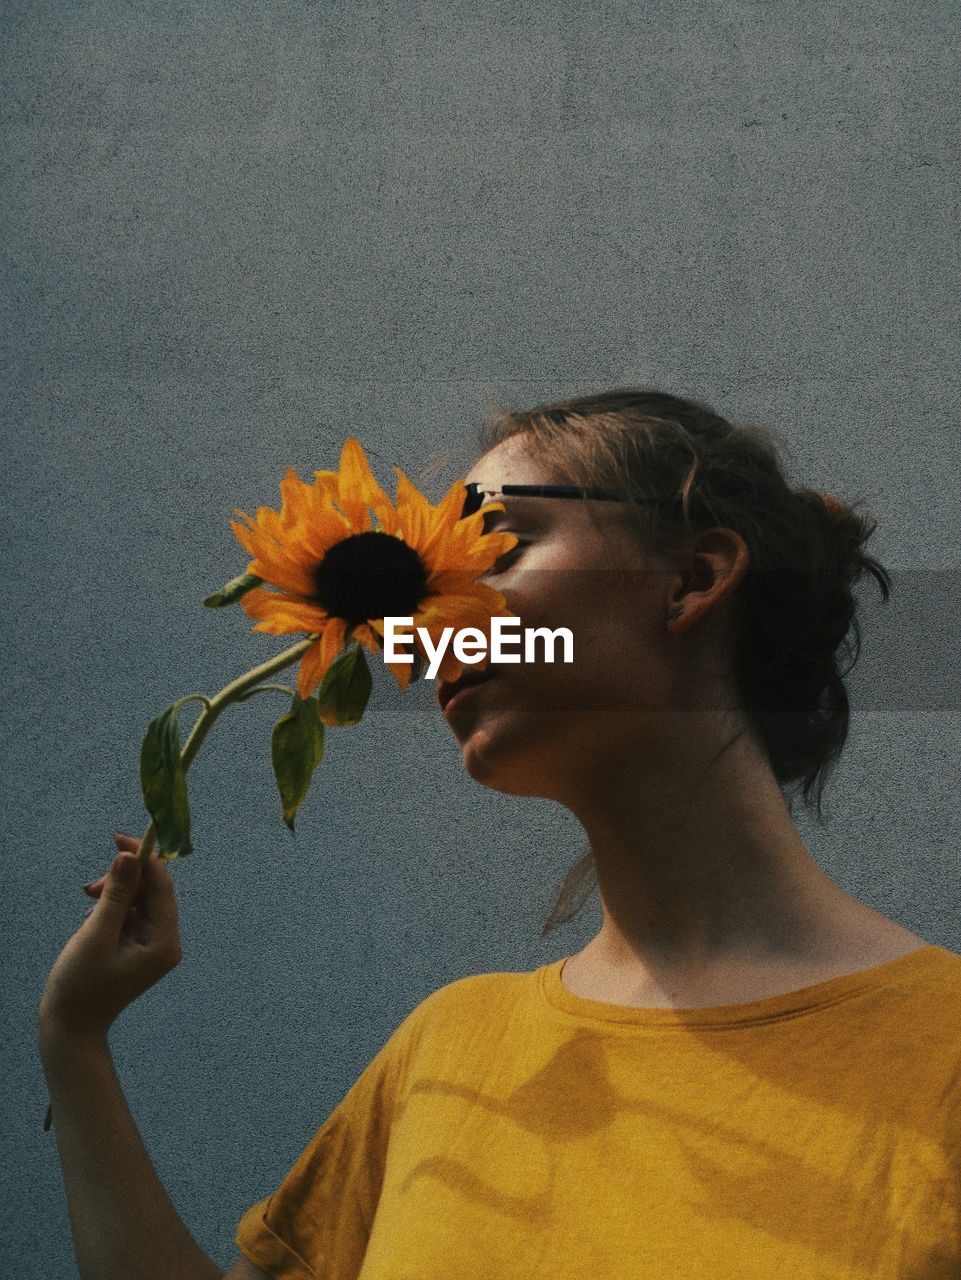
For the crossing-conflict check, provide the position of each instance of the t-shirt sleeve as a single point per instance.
(317, 1223)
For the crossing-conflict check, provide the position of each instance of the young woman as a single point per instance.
(747, 1072)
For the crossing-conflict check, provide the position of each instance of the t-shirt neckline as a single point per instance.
(787, 1004)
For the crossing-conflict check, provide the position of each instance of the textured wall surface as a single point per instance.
(236, 233)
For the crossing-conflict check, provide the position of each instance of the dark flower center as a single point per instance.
(370, 575)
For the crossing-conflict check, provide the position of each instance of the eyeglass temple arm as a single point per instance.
(474, 491)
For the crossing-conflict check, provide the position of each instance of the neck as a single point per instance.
(699, 863)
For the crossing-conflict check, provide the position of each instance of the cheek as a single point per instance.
(622, 657)
(614, 615)
(610, 619)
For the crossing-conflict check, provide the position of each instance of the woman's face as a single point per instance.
(538, 728)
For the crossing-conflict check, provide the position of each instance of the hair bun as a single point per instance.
(834, 505)
(846, 533)
(825, 504)
(845, 524)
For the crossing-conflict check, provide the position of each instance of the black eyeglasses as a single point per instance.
(478, 493)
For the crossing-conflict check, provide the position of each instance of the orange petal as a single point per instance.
(327, 480)
(278, 615)
(243, 534)
(294, 497)
(282, 570)
(413, 510)
(315, 541)
(365, 635)
(317, 659)
(456, 581)
(456, 610)
(447, 510)
(322, 514)
(491, 600)
(477, 553)
(451, 668)
(358, 489)
(403, 671)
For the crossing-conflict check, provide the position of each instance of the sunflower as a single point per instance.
(338, 576)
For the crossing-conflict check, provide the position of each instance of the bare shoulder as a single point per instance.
(244, 1269)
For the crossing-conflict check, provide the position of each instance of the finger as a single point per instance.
(127, 844)
(116, 898)
(95, 887)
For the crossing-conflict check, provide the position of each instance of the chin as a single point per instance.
(515, 769)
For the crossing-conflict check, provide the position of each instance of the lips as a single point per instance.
(446, 691)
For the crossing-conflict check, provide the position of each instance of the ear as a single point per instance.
(711, 569)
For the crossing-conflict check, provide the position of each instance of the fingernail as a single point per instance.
(85, 887)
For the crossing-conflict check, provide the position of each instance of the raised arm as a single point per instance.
(123, 1222)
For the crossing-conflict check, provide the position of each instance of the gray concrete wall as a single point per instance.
(236, 233)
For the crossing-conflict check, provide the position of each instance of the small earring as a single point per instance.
(676, 611)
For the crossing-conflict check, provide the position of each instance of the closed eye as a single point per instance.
(502, 561)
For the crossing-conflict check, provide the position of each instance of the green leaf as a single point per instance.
(296, 749)
(232, 592)
(163, 784)
(345, 689)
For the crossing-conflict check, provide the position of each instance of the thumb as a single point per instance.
(118, 895)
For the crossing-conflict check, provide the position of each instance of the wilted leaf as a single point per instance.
(163, 784)
(297, 748)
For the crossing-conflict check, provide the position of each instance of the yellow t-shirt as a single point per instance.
(510, 1128)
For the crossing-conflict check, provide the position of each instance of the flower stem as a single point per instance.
(233, 692)
(266, 688)
(236, 691)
